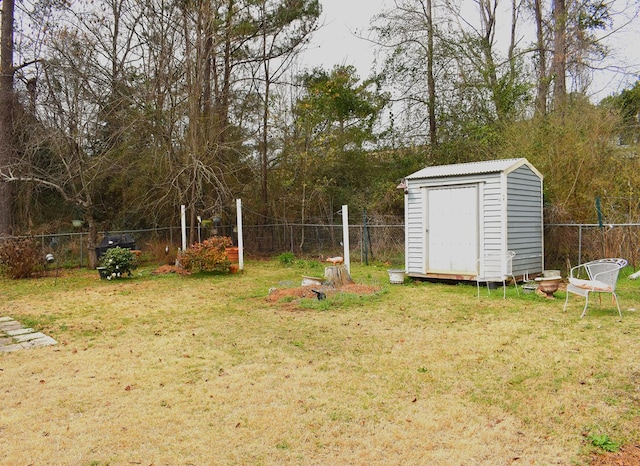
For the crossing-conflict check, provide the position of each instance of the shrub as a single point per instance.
(286, 258)
(117, 262)
(21, 257)
(207, 256)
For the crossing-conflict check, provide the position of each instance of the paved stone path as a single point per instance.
(14, 337)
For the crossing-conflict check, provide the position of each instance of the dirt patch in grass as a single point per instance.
(282, 294)
(165, 269)
(629, 455)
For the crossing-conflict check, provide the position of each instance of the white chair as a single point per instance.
(496, 268)
(601, 277)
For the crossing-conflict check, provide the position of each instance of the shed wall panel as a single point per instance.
(524, 220)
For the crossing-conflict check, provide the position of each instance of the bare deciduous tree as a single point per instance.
(559, 60)
(284, 28)
(409, 34)
(7, 148)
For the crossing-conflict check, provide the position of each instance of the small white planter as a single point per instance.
(396, 276)
(311, 281)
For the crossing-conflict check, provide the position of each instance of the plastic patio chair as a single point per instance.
(496, 268)
(602, 277)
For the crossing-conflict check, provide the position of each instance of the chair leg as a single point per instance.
(566, 301)
(504, 289)
(586, 303)
(478, 285)
(617, 303)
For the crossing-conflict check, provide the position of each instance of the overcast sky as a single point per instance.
(335, 43)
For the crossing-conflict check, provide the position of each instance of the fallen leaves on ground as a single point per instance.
(278, 294)
(629, 455)
(164, 269)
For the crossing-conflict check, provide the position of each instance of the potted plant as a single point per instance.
(116, 263)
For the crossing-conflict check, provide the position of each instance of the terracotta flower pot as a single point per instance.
(232, 254)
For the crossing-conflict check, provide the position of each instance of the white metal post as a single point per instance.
(240, 241)
(183, 225)
(345, 236)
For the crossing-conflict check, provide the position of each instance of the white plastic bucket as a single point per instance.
(396, 276)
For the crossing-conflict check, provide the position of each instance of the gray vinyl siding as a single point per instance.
(524, 220)
(415, 231)
(491, 214)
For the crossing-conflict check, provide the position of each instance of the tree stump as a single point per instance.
(337, 275)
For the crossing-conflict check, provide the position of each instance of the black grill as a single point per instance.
(113, 241)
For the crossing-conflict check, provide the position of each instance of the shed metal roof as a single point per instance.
(473, 168)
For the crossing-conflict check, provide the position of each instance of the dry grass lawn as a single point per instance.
(173, 370)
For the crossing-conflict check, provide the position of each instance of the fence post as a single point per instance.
(345, 237)
(240, 234)
(361, 245)
(580, 244)
(183, 226)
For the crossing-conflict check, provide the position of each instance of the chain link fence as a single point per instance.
(566, 245)
(570, 244)
(366, 242)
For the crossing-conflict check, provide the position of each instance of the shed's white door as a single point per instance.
(452, 229)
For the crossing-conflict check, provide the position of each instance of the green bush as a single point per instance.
(118, 262)
(208, 256)
(21, 257)
(286, 258)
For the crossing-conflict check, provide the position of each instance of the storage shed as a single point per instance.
(455, 214)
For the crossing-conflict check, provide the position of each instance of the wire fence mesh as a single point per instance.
(570, 244)
(565, 244)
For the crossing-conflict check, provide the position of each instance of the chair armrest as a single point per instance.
(573, 273)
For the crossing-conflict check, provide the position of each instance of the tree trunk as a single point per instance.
(92, 241)
(543, 79)
(559, 63)
(193, 229)
(264, 151)
(431, 82)
(488, 19)
(337, 276)
(7, 149)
